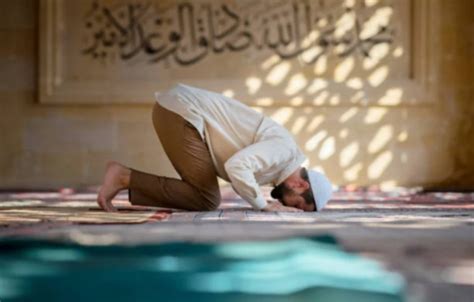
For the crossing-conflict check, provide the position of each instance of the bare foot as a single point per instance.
(116, 178)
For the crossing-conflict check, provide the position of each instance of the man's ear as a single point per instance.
(305, 185)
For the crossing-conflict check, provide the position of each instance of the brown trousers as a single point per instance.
(198, 190)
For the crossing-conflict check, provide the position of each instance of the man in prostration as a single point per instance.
(205, 135)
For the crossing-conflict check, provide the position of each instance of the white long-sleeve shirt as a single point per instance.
(248, 149)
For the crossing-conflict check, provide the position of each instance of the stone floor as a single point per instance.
(428, 237)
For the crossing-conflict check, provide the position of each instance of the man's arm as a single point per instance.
(242, 166)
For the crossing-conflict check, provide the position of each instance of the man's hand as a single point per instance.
(275, 206)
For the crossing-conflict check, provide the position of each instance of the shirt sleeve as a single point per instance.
(258, 157)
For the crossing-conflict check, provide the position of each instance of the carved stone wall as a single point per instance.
(395, 110)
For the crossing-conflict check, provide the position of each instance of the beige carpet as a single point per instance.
(29, 211)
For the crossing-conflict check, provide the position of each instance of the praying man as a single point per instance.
(208, 135)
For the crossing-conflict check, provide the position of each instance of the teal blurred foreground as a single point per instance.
(299, 269)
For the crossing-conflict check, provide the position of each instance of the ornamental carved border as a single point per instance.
(298, 52)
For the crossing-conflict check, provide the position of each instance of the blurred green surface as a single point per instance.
(297, 269)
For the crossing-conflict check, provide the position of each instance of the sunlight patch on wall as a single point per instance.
(296, 84)
(349, 3)
(398, 52)
(380, 51)
(323, 22)
(321, 65)
(315, 122)
(321, 98)
(298, 124)
(314, 141)
(343, 133)
(377, 54)
(296, 101)
(352, 173)
(264, 101)
(357, 97)
(379, 165)
(335, 100)
(402, 136)
(393, 96)
(378, 76)
(328, 148)
(371, 2)
(343, 69)
(310, 54)
(310, 39)
(369, 63)
(344, 24)
(282, 115)
(228, 93)
(348, 154)
(381, 17)
(278, 73)
(316, 85)
(253, 84)
(351, 112)
(381, 138)
(355, 83)
(270, 62)
(375, 115)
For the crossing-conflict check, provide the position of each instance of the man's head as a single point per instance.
(303, 189)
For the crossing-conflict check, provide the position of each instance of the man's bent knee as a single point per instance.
(210, 203)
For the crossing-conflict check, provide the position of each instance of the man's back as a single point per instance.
(226, 124)
(198, 105)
